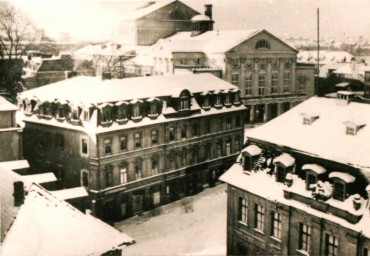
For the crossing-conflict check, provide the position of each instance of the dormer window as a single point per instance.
(341, 182)
(313, 174)
(284, 164)
(236, 98)
(106, 115)
(153, 111)
(352, 128)
(184, 101)
(136, 111)
(121, 110)
(309, 118)
(218, 100)
(227, 101)
(74, 113)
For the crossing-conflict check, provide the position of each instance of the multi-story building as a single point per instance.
(135, 143)
(301, 186)
(10, 133)
(260, 64)
(154, 21)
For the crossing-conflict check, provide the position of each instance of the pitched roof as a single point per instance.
(6, 105)
(141, 12)
(61, 229)
(218, 41)
(95, 90)
(326, 137)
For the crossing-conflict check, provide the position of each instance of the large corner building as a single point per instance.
(135, 143)
(301, 186)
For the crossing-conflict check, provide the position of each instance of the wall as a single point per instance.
(9, 144)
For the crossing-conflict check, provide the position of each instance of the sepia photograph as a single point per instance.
(185, 127)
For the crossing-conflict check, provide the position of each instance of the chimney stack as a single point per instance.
(208, 10)
(18, 193)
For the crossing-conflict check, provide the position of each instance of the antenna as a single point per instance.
(318, 51)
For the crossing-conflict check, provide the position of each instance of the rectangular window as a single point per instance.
(137, 140)
(228, 123)
(235, 79)
(184, 104)
(248, 84)
(219, 125)
(237, 145)
(84, 146)
(172, 134)
(206, 102)
(207, 126)
(243, 210)
(108, 147)
(304, 237)
(274, 82)
(228, 148)
(366, 252)
(227, 101)
(136, 111)
(338, 192)
(59, 141)
(276, 224)
(286, 81)
(183, 132)
(154, 137)
(218, 149)
(331, 245)
(123, 175)
(153, 109)
(261, 83)
(238, 122)
(123, 142)
(260, 215)
(218, 101)
(86, 115)
(106, 117)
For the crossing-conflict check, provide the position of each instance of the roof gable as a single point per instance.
(250, 43)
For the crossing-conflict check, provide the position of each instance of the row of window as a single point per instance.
(173, 133)
(178, 159)
(305, 232)
(262, 82)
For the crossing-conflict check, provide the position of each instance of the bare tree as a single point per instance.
(15, 31)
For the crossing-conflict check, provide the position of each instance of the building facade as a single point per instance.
(315, 196)
(10, 133)
(264, 67)
(153, 21)
(135, 143)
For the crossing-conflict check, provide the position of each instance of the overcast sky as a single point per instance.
(92, 20)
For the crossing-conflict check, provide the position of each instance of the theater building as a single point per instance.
(134, 143)
(301, 185)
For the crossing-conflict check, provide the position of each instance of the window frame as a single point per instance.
(261, 83)
(248, 84)
(287, 81)
(82, 139)
(243, 210)
(276, 224)
(154, 137)
(304, 241)
(108, 146)
(274, 82)
(331, 247)
(235, 79)
(138, 140)
(123, 141)
(259, 217)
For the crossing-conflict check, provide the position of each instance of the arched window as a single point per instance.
(263, 44)
(138, 168)
(184, 100)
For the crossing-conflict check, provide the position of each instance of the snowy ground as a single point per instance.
(176, 232)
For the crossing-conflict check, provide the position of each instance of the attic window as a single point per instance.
(308, 119)
(352, 128)
(263, 44)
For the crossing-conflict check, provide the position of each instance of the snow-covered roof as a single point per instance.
(141, 12)
(275, 193)
(15, 165)
(200, 17)
(325, 56)
(327, 138)
(315, 168)
(252, 150)
(346, 177)
(285, 159)
(61, 229)
(94, 90)
(70, 193)
(41, 177)
(6, 105)
(343, 84)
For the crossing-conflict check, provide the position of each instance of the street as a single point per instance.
(191, 226)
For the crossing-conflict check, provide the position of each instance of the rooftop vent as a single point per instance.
(344, 97)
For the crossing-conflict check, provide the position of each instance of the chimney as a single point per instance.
(208, 10)
(18, 193)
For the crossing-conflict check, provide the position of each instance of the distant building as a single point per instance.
(301, 186)
(263, 66)
(10, 133)
(135, 143)
(153, 21)
(38, 71)
(35, 221)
